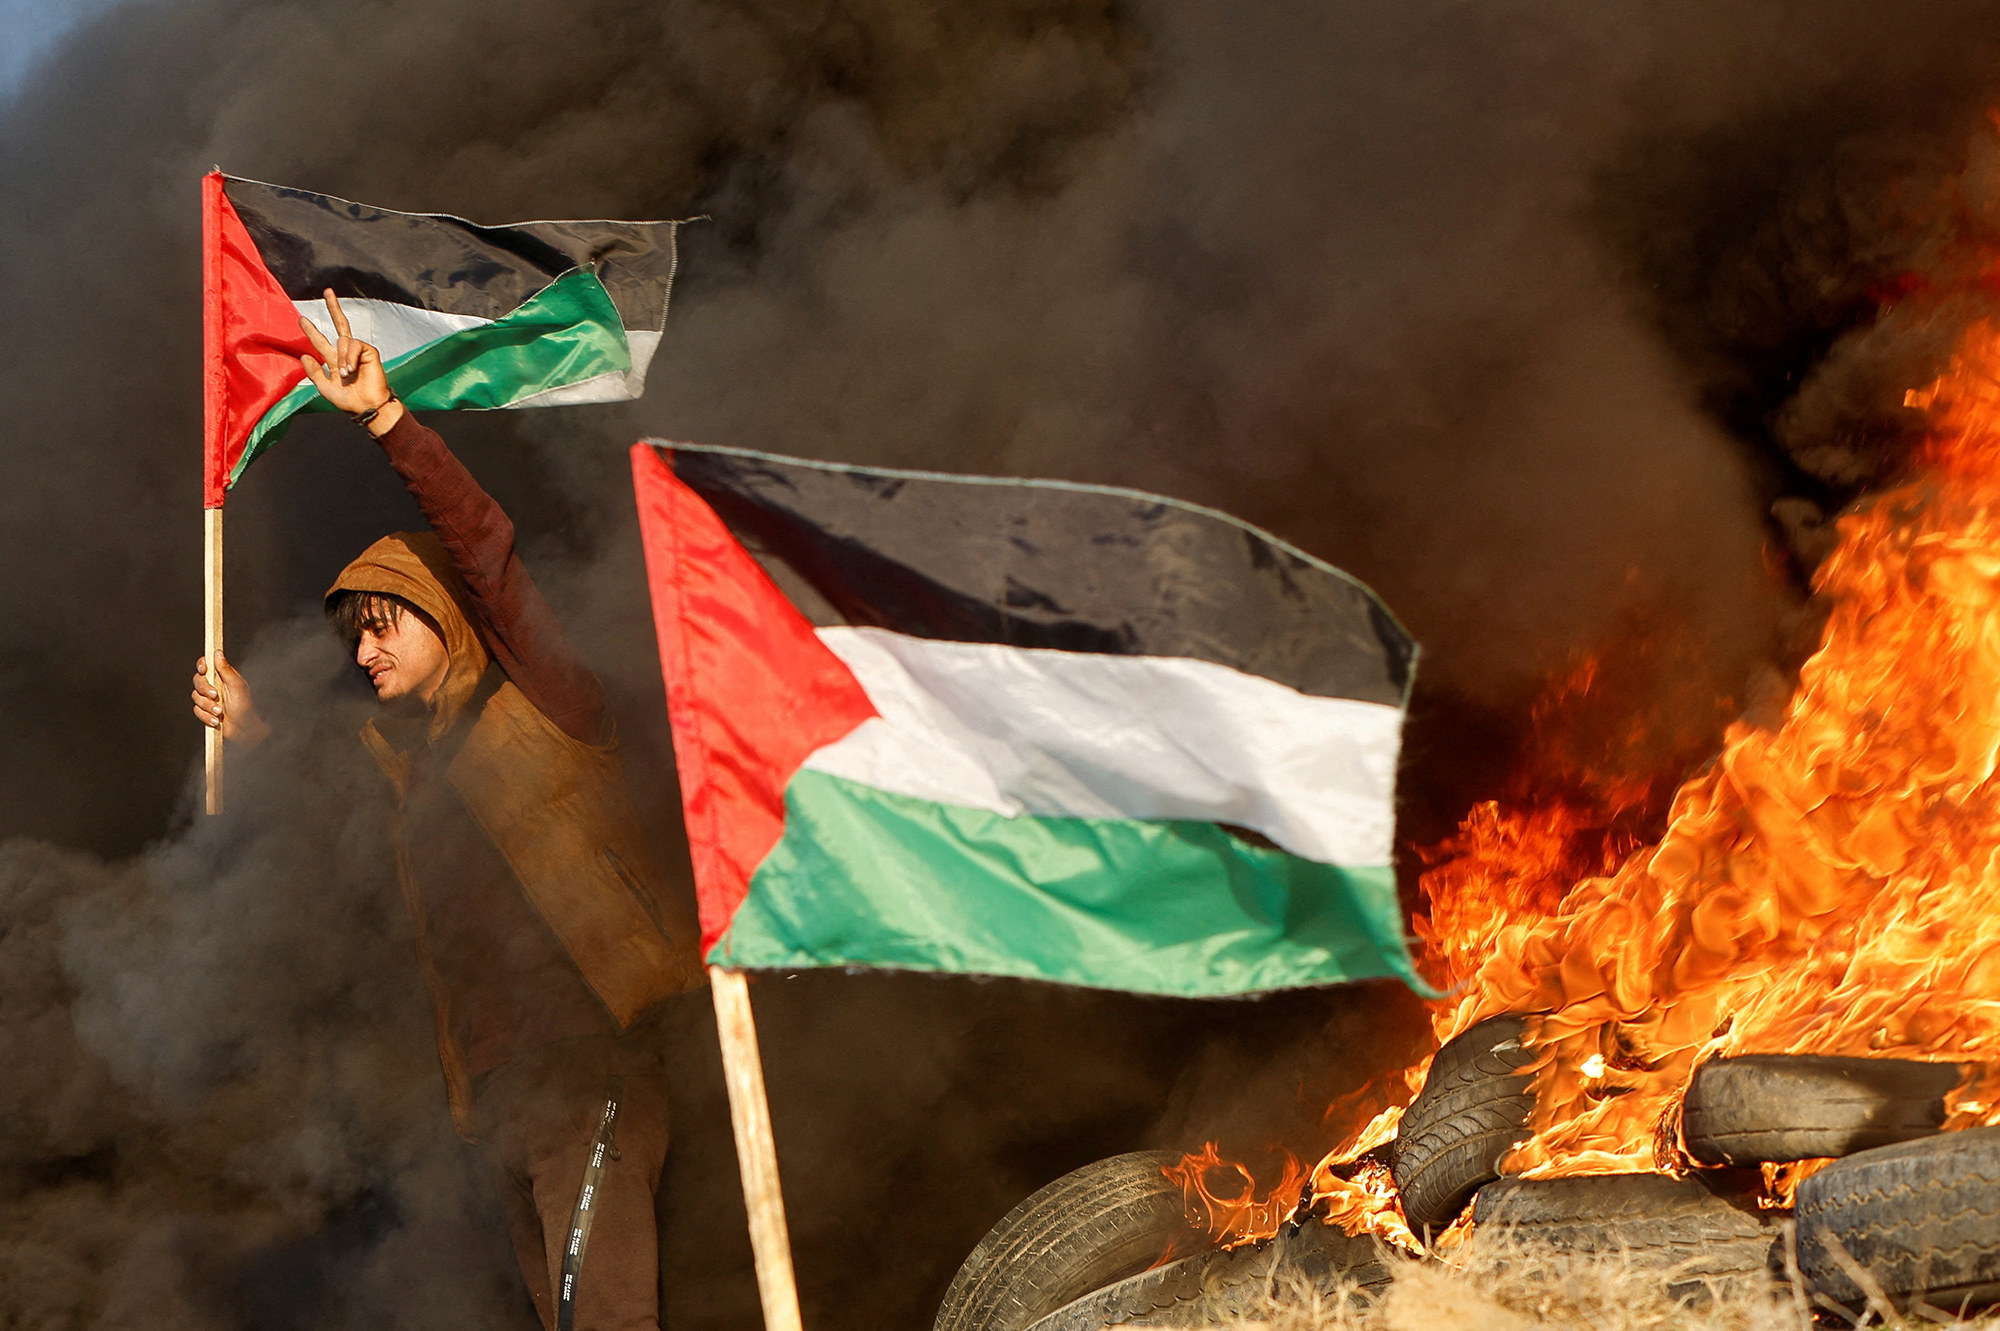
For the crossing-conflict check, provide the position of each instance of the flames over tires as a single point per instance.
(1919, 1209)
(1820, 883)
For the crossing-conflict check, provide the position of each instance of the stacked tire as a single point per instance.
(1905, 1215)
(1110, 1245)
(1092, 1228)
(1472, 1111)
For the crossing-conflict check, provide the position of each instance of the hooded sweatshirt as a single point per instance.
(540, 914)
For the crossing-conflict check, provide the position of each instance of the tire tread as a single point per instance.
(1092, 1227)
(1473, 1109)
(1922, 1216)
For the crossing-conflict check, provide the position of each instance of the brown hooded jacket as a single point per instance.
(553, 806)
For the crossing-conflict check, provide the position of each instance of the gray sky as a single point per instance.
(33, 28)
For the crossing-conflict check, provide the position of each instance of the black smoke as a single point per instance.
(1526, 314)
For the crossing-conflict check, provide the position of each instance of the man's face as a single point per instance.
(404, 657)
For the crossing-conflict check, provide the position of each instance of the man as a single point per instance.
(543, 931)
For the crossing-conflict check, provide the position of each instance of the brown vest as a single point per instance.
(557, 810)
(555, 807)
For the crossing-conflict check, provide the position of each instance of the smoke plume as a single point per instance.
(1556, 323)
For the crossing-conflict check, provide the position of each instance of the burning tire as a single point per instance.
(1473, 1109)
(1922, 1217)
(1772, 1108)
(1090, 1228)
(1700, 1235)
(1222, 1287)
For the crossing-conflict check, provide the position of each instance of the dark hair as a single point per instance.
(350, 611)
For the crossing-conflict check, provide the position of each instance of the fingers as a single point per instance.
(207, 705)
(317, 338)
(207, 698)
(347, 353)
(317, 373)
(339, 315)
(338, 358)
(341, 357)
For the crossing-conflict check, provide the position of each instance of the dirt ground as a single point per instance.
(1497, 1285)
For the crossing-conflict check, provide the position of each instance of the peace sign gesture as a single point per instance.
(348, 373)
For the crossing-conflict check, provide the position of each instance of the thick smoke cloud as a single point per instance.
(1525, 314)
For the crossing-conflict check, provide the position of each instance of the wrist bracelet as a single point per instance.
(363, 417)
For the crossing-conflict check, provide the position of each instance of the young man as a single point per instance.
(543, 928)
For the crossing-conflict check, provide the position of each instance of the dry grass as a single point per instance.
(1495, 1284)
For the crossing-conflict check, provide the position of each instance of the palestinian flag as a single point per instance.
(533, 314)
(1021, 728)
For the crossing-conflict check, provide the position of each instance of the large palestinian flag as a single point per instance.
(1021, 728)
(533, 314)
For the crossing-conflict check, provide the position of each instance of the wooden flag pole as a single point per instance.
(214, 410)
(756, 1153)
(211, 644)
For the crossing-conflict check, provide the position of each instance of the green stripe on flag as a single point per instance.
(864, 877)
(567, 332)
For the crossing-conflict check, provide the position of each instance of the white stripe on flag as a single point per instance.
(1019, 730)
(390, 328)
(395, 330)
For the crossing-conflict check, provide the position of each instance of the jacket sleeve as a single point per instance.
(513, 618)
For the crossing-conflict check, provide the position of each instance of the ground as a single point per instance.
(1498, 1286)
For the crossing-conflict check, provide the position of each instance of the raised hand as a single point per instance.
(230, 711)
(348, 373)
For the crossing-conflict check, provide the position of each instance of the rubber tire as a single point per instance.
(1090, 1228)
(1773, 1108)
(1213, 1287)
(1923, 1217)
(1473, 1110)
(1705, 1234)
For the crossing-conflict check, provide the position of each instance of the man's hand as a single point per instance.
(231, 711)
(348, 373)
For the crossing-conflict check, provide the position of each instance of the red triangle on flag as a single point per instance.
(251, 341)
(751, 690)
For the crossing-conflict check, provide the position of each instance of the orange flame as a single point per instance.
(1245, 1216)
(1827, 886)
(1349, 1187)
(1828, 882)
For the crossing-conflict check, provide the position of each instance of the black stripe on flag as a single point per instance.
(313, 241)
(1048, 564)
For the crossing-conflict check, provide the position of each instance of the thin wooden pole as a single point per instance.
(211, 643)
(756, 1153)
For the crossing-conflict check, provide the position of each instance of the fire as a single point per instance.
(1826, 883)
(1350, 1187)
(1826, 886)
(1245, 1215)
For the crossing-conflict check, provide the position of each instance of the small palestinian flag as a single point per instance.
(1021, 728)
(533, 314)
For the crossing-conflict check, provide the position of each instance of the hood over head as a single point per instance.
(414, 566)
